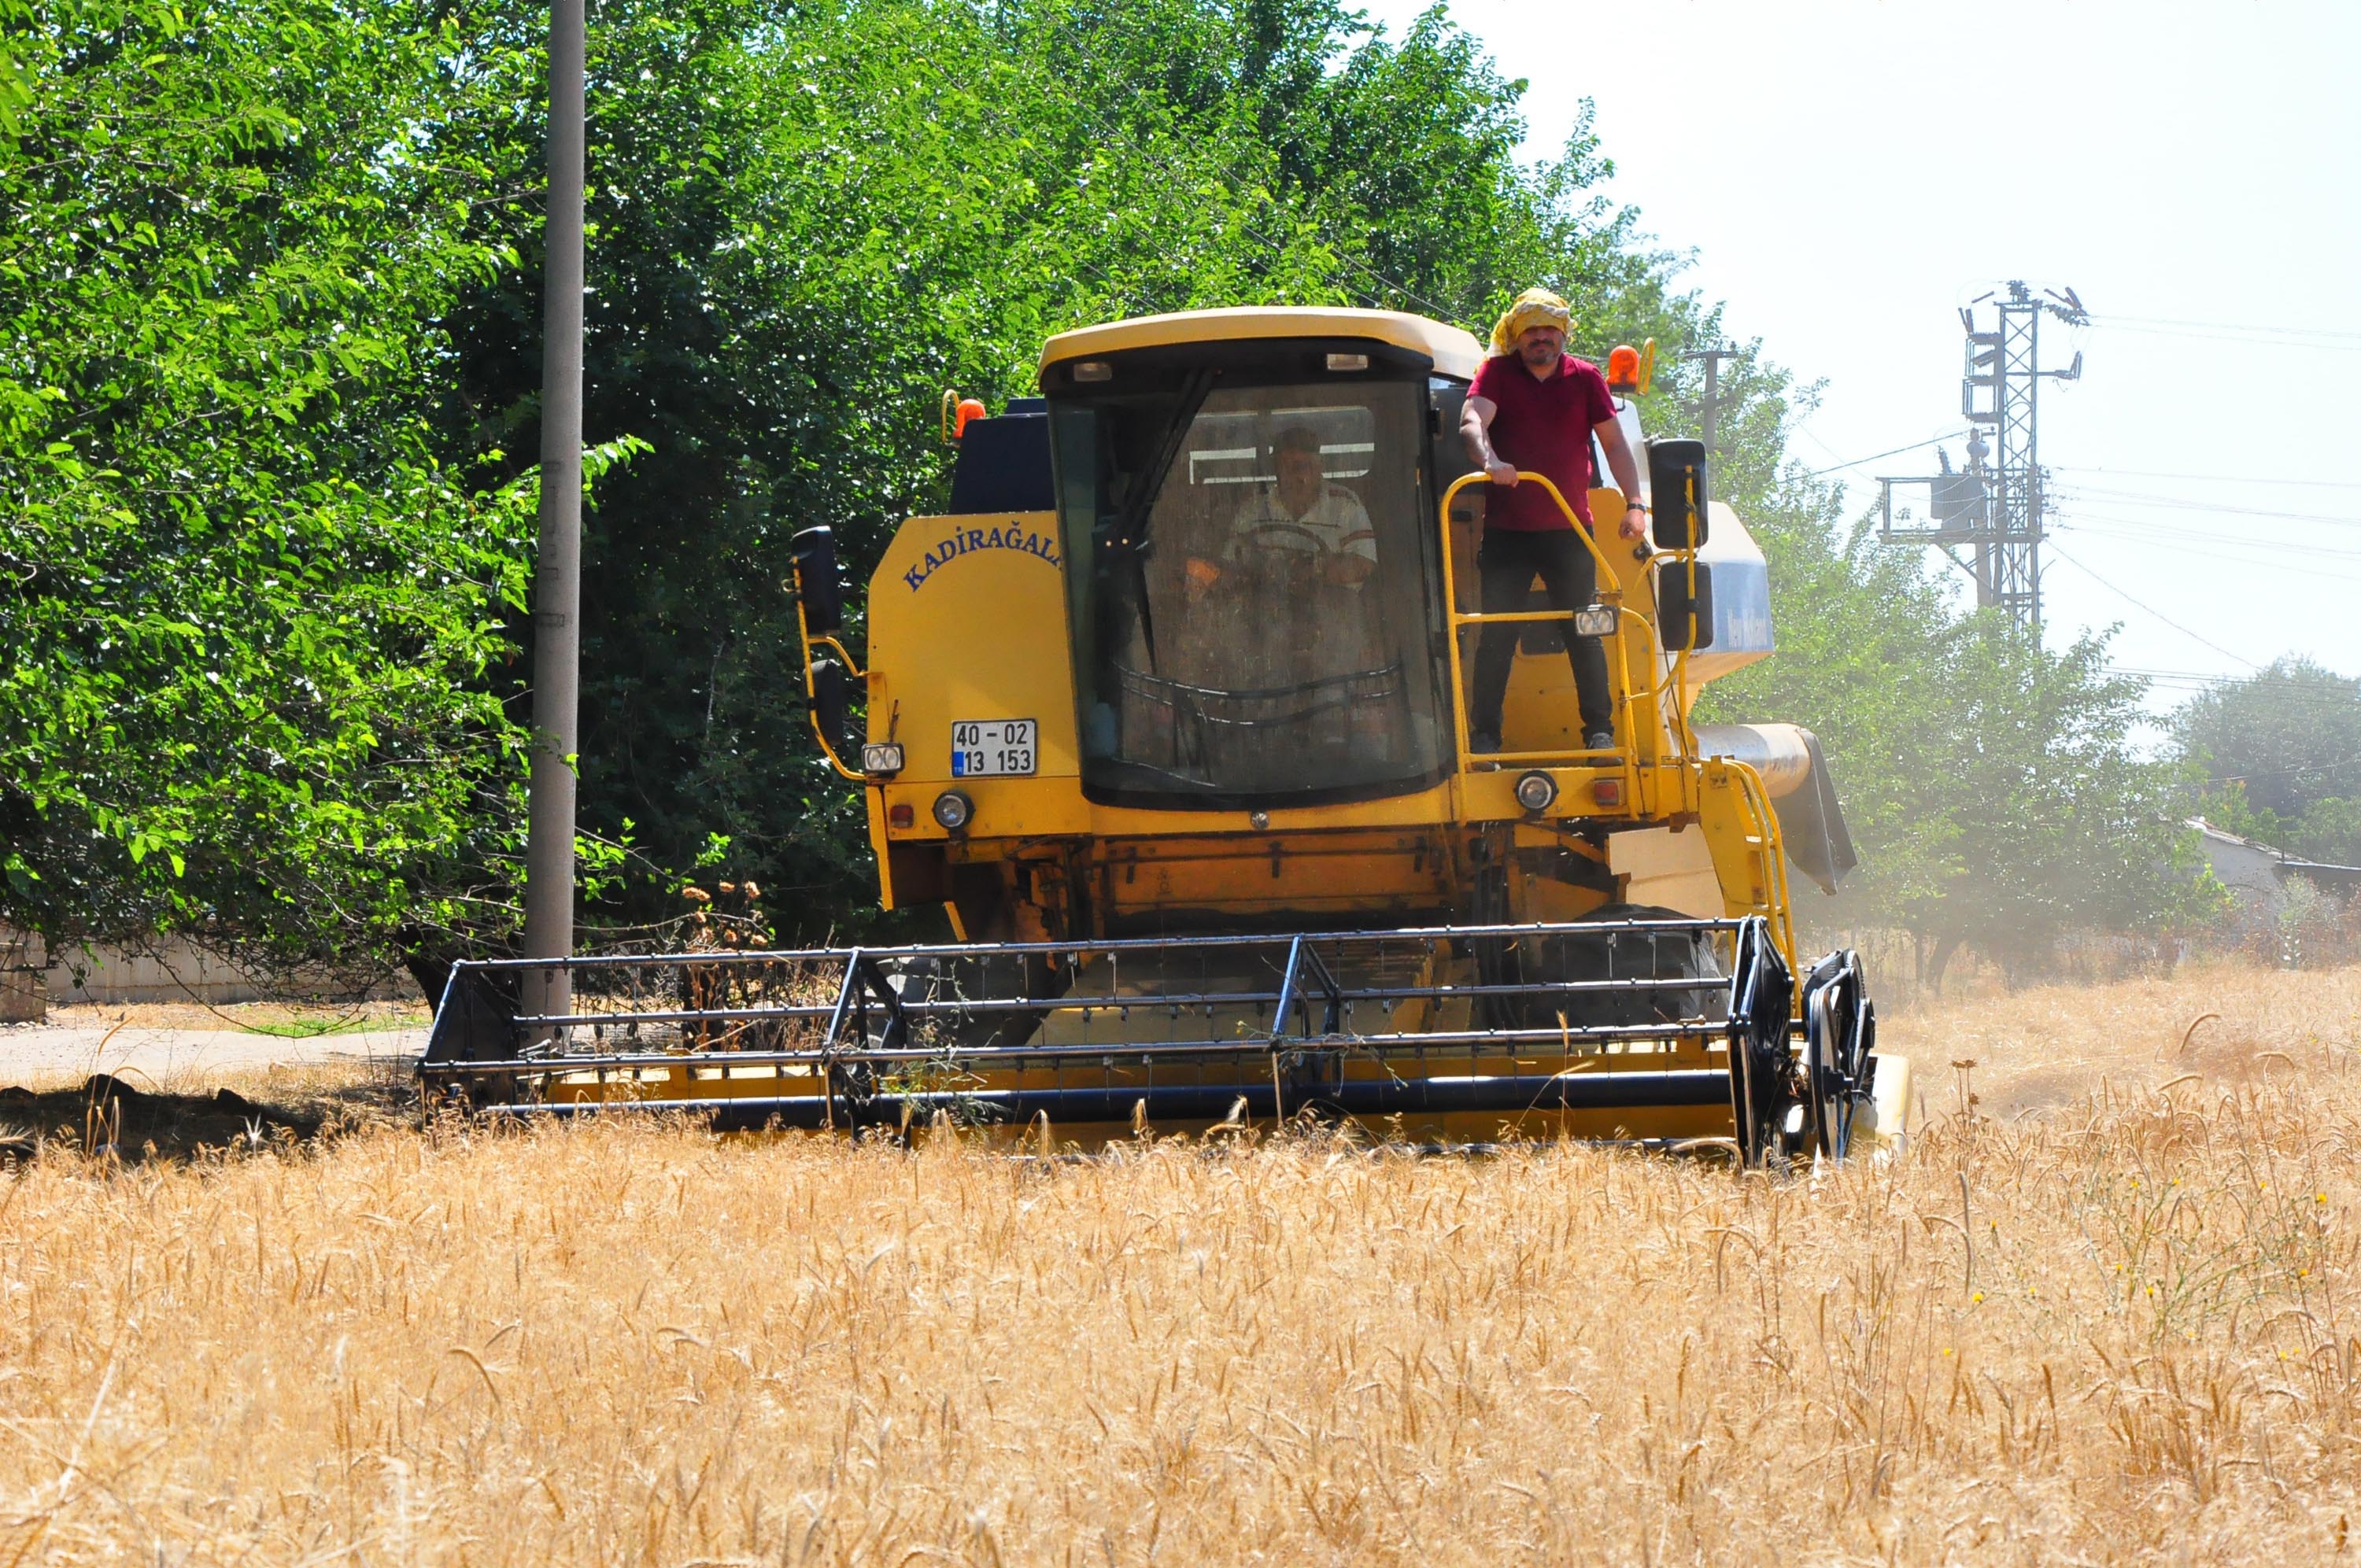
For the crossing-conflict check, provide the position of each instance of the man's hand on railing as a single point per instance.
(1501, 474)
(1633, 508)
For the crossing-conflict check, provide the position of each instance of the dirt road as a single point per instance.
(184, 1049)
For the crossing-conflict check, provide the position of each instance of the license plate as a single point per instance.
(983, 748)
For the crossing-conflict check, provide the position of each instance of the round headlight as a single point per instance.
(952, 809)
(1536, 790)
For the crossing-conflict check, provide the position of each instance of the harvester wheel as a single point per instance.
(1761, 1066)
(1840, 1032)
(1828, 1096)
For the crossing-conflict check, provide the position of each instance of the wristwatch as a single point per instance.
(1636, 506)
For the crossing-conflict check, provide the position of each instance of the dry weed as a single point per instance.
(2124, 1330)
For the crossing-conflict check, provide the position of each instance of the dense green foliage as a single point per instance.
(244, 607)
(271, 294)
(2281, 754)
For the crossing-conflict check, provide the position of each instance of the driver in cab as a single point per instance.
(1305, 515)
(1299, 527)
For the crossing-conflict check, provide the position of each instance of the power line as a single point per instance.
(2177, 503)
(2193, 684)
(2215, 478)
(2241, 542)
(2263, 556)
(2241, 340)
(2209, 676)
(1890, 451)
(2292, 771)
(2151, 609)
(2248, 328)
(2279, 568)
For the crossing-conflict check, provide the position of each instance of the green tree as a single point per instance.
(2282, 756)
(244, 609)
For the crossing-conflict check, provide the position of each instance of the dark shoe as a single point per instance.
(1599, 740)
(1481, 741)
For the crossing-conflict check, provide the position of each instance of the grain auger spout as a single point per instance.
(1168, 716)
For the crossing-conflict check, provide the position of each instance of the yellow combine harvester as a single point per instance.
(1204, 816)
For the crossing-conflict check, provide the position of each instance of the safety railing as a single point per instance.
(1629, 711)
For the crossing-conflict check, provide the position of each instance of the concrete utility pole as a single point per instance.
(557, 565)
(1713, 358)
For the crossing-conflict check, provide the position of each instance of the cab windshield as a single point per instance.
(1252, 615)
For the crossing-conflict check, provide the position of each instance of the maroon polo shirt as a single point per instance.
(1542, 427)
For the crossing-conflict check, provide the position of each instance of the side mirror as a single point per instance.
(817, 588)
(1676, 494)
(1684, 604)
(831, 705)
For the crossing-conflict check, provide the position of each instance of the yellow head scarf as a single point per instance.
(1534, 307)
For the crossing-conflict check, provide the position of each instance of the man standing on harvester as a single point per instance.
(1535, 407)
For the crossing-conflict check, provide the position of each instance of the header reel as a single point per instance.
(1450, 1036)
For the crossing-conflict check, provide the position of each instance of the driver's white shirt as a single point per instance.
(1338, 523)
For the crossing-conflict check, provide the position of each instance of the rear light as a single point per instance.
(881, 758)
(1607, 792)
(1348, 362)
(1595, 620)
(900, 817)
(953, 809)
(1093, 370)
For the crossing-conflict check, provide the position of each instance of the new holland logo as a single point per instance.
(1009, 536)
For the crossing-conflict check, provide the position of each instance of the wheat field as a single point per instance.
(2108, 1311)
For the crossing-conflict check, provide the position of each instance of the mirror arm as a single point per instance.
(805, 640)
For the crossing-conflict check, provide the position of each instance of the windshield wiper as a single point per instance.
(1146, 484)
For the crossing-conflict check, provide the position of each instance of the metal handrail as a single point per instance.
(1611, 591)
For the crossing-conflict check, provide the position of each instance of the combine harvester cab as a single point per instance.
(1170, 716)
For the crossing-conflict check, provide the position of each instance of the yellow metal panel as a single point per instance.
(1740, 852)
(967, 621)
(1004, 809)
(1020, 808)
(1455, 352)
(1338, 872)
(1012, 807)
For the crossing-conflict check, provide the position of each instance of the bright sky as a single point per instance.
(1848, 172)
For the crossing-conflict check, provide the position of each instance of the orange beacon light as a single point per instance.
(1623, 371)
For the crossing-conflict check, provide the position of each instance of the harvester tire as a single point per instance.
(1840, 1032)
(1761, 1064)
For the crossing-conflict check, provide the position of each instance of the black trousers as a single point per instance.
(1507, 565)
